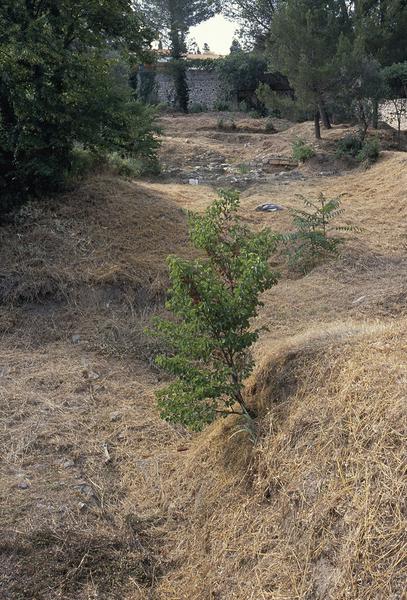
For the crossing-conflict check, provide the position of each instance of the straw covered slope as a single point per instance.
(79, 433)
(315, 509)
(100, 498)
(95, 257)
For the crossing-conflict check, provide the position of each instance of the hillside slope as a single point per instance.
(101, 499)
(80, 438)
(316, 509)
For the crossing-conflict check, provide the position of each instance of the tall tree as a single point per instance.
(396, 92)
(60, 85)
(381, 26)
(302, 45)
(254, 17)
(174, 18)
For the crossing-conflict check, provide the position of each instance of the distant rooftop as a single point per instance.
(165, 54)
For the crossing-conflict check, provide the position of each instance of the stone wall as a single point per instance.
(204, 87)
(386, 115)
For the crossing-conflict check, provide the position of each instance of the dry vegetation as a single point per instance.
(100, 499)
(315, 510)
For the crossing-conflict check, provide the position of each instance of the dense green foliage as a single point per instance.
(281, 105)
(240, 74)
(213, 299)
(332, 53)
(354, 146)
(381, 26)
(360, 84)
(63, 83)
(302, 151)
(304, 36)
(350, 145)
(254, 17)
(370, 151)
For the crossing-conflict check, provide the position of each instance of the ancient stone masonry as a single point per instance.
(388, 116)
(204, 87)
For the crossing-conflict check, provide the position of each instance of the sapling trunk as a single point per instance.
(317, 126)
(324, 116)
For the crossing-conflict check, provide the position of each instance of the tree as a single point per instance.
(396, 92)
(360, 83)
(213, 300)
(303, 42)
(174, 18)
(62, 83)
(206, 48)
(235, 46)
(193, 46)
(381, 25)
(242, 72)
(255, 18)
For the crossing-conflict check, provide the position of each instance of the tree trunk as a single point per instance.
(324, 116)
(317, 126)
(179, 70)
(375, 117)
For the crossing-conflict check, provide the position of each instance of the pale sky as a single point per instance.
(218, 32)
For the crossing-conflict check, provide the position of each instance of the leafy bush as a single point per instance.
(281, 104)
(213, 300)
(226, 124)
(83, 162)
(221, 106)
(124, 166)
(197, 107)
(367, 150)
(301, 151)
(256, 114)
(370, 151)
(241, 71)
(312, 238)
(244, 107)
(350, 145)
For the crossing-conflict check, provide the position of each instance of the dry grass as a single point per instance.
(194, 139)
(92, 260)
(71, 423)
(81, 275)
(317, 509)
(108, 232)
(100, 499)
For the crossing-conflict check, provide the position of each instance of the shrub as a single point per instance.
(244, 106)
(367, 150)
(370, 151)
(226, 124)
(197, 107)
(256, 114)
(244, 169)
(269, 127)
(301, 151)
(241, 71)
(221, 106)
(350, 145)
(213, 300)
(84, 162)
(312, 238)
